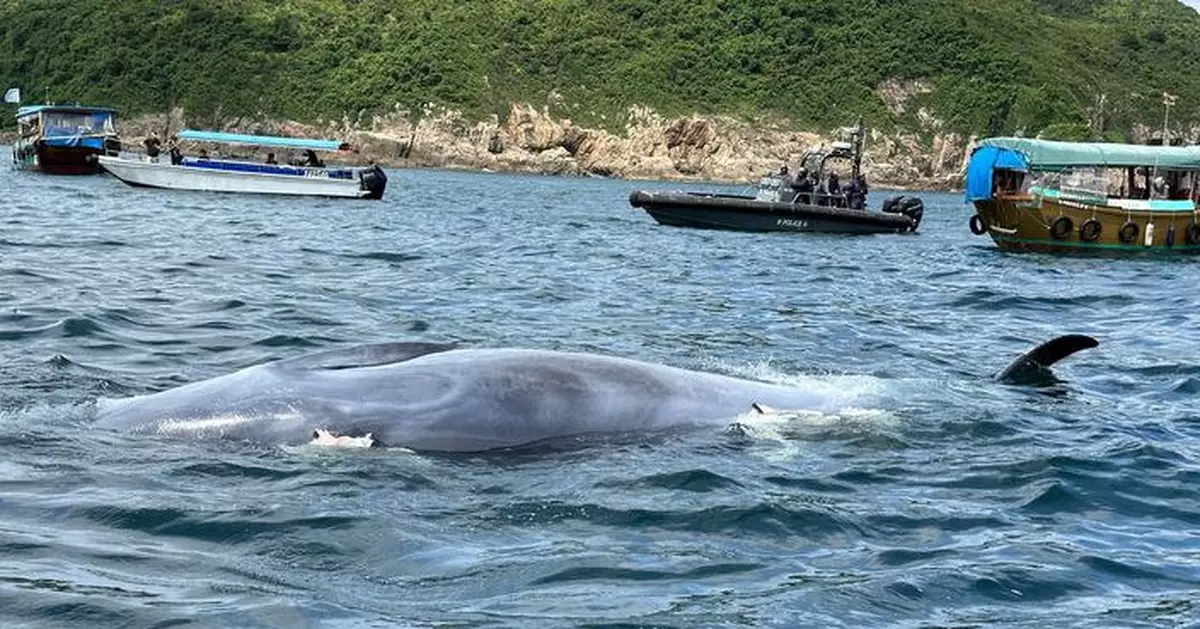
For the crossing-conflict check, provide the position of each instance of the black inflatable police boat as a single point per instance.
(786, 204)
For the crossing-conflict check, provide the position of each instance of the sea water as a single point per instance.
(937, 497)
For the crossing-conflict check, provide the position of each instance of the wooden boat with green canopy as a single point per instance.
(1062, 197)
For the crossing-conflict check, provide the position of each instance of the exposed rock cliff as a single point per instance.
(651, 146)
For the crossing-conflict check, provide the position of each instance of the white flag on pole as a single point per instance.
(13, 95)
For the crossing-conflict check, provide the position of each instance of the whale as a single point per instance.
(438, 397)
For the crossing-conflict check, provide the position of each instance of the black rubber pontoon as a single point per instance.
(743, 213)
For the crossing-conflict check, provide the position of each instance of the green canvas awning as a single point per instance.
(1055, 155)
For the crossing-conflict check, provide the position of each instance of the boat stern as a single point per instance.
(373, 182)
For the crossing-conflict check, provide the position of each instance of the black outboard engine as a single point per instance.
(373, 181)
(912, 207)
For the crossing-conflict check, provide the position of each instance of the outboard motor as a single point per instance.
(373, 181)
(912, 207)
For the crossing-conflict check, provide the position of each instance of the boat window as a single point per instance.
(27, 126)
(1179, 185)
(60, 123)
(1080, 183)
(1005, 181)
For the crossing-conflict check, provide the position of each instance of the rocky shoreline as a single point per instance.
(651, 147)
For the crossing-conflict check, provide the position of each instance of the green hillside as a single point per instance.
(995, 66)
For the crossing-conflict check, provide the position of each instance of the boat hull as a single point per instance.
(740, 213)
(60, 160)
(204, 179)
(1028, 223)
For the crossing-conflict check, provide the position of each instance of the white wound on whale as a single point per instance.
(218, 425)
(322, 437)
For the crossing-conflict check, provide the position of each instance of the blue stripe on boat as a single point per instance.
(268, 169)
(259, 140)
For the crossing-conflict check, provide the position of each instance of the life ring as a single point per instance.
(1062, 227)
(978, 227)
(1128, 233)
(1193, 234)
(1090, 230)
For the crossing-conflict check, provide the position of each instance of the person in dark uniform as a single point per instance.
(834, 189)
(803, 186)
(271, 159)
(856, 197)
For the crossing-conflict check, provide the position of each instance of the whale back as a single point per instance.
(371, 355)
(249, 401)
(433, 396)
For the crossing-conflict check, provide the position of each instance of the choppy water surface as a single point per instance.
(937, 498)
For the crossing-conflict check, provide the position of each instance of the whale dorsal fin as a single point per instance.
(371, 355)
(1036, 362)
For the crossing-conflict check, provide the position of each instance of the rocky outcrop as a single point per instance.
(649, 147)
(534, 131)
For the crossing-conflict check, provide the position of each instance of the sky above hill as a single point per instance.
(1195, 4)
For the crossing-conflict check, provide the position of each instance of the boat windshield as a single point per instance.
(1085, 184)
(70, 124)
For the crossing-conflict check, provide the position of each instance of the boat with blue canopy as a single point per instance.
(64, 139)
(306, 177)
(1060, 197)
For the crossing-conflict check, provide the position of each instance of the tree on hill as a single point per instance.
(991, 67)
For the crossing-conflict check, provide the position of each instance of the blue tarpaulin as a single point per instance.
(984, 160)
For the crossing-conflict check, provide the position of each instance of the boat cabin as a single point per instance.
(816, 167)
(64, 139)
(1055, 196)
(1091, 171)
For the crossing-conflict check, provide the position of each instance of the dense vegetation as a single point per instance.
(995, 66)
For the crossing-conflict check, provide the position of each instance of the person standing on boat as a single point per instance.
(833, 189)
(174, 152)
(271, 159)
(856, 193)
(311, 159)
(1161, 190)
(803, 186)
(152, 145)
(785, 177)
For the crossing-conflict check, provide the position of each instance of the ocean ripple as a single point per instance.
(937, 497)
